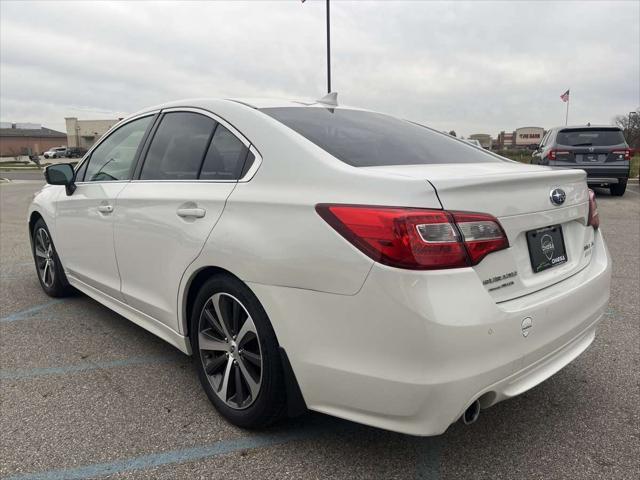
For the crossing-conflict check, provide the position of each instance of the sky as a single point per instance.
(472, 67)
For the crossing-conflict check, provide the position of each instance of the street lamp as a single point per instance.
(328, 15)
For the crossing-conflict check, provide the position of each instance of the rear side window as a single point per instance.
(225, 158)
(178, 147)
(113, 158)
(366, 139)
(590, 137)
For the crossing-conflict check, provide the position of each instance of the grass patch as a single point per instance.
(635, 166)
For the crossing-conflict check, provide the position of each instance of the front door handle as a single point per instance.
(105, 208)
(191, 212)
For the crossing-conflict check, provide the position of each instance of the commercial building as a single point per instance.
(18, 139)
(483, 138)
(523, 137)
(84, 133)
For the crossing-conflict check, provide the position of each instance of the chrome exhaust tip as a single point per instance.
(472, 413)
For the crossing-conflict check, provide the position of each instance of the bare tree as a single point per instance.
(630, 125)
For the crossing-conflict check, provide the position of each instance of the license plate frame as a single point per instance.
(546, 248)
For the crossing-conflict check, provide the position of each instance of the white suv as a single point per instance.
(331, 258)
(57, 152)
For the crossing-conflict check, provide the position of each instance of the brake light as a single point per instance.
(626, 152)
(414, 238)
(594, 218)
(552, 155)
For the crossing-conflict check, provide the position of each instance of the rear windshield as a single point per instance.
(590, 137)
(366, 139)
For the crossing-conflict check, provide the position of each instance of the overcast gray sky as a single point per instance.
(469, 66)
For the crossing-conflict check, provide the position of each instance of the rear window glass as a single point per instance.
(590, 137)
(367, 139)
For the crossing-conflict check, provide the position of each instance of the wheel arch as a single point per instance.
(193, 285)
(295, 401)
(33, 218)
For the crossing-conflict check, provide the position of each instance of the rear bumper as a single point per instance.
(412, 350)
(601, 173)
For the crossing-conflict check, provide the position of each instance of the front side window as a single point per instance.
(113, 158)
(225, 158)
(367, 139)
(178, 147)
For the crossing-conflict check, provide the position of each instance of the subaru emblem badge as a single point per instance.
(557, 196)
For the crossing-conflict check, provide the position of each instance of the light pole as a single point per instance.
(328, 49)
(328, 12)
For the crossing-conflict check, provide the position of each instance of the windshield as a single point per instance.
(590, 137)
(366, 139)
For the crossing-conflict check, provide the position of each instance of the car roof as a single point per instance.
(255, 103)
(585, 127)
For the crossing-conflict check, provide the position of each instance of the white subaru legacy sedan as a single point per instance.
(310, 255)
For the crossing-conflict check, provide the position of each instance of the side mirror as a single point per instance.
(61, 174)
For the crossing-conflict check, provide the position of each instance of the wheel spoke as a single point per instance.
(215, 364)
(253, 385)
(41, 237)
(40, 252)
(216, 305)
(252, 358)
(247, 327)
(207, 342)
(45, 273)
(224, 386)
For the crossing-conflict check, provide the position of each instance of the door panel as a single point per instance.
(160, 228)
(84, 220)
(84, 230)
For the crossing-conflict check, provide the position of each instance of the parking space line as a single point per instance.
(174, 457)
(22, 314)
(26, 373)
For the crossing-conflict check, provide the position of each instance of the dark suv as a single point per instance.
(601, 151)
(75, 152)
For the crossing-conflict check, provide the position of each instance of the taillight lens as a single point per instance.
(481, 233)
(626, 152)
(594, 218)
(553, 154)
(414, 238)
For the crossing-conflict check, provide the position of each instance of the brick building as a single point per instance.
(28, 139)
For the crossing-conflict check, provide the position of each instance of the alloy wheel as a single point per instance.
(44, 257)
(230, 350)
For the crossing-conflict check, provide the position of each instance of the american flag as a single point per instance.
(565, 96)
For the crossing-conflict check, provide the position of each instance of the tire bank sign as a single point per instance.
(529, 135)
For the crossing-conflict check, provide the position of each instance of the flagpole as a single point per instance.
(566, 118)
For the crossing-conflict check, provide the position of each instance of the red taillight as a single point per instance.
(594, 218)
(482, 234)
(414, 238)
(552, 155)
(626, 152)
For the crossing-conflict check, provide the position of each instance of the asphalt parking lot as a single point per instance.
(85, 394)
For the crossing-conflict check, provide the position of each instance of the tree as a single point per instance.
(452, 133)
(630, 125)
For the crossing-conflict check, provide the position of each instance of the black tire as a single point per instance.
(618, 189)
(55, 284)
(269, 404)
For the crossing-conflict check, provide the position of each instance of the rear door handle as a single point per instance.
(105, 208)
(191, 212)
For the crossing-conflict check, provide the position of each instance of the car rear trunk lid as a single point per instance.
(520, 197)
